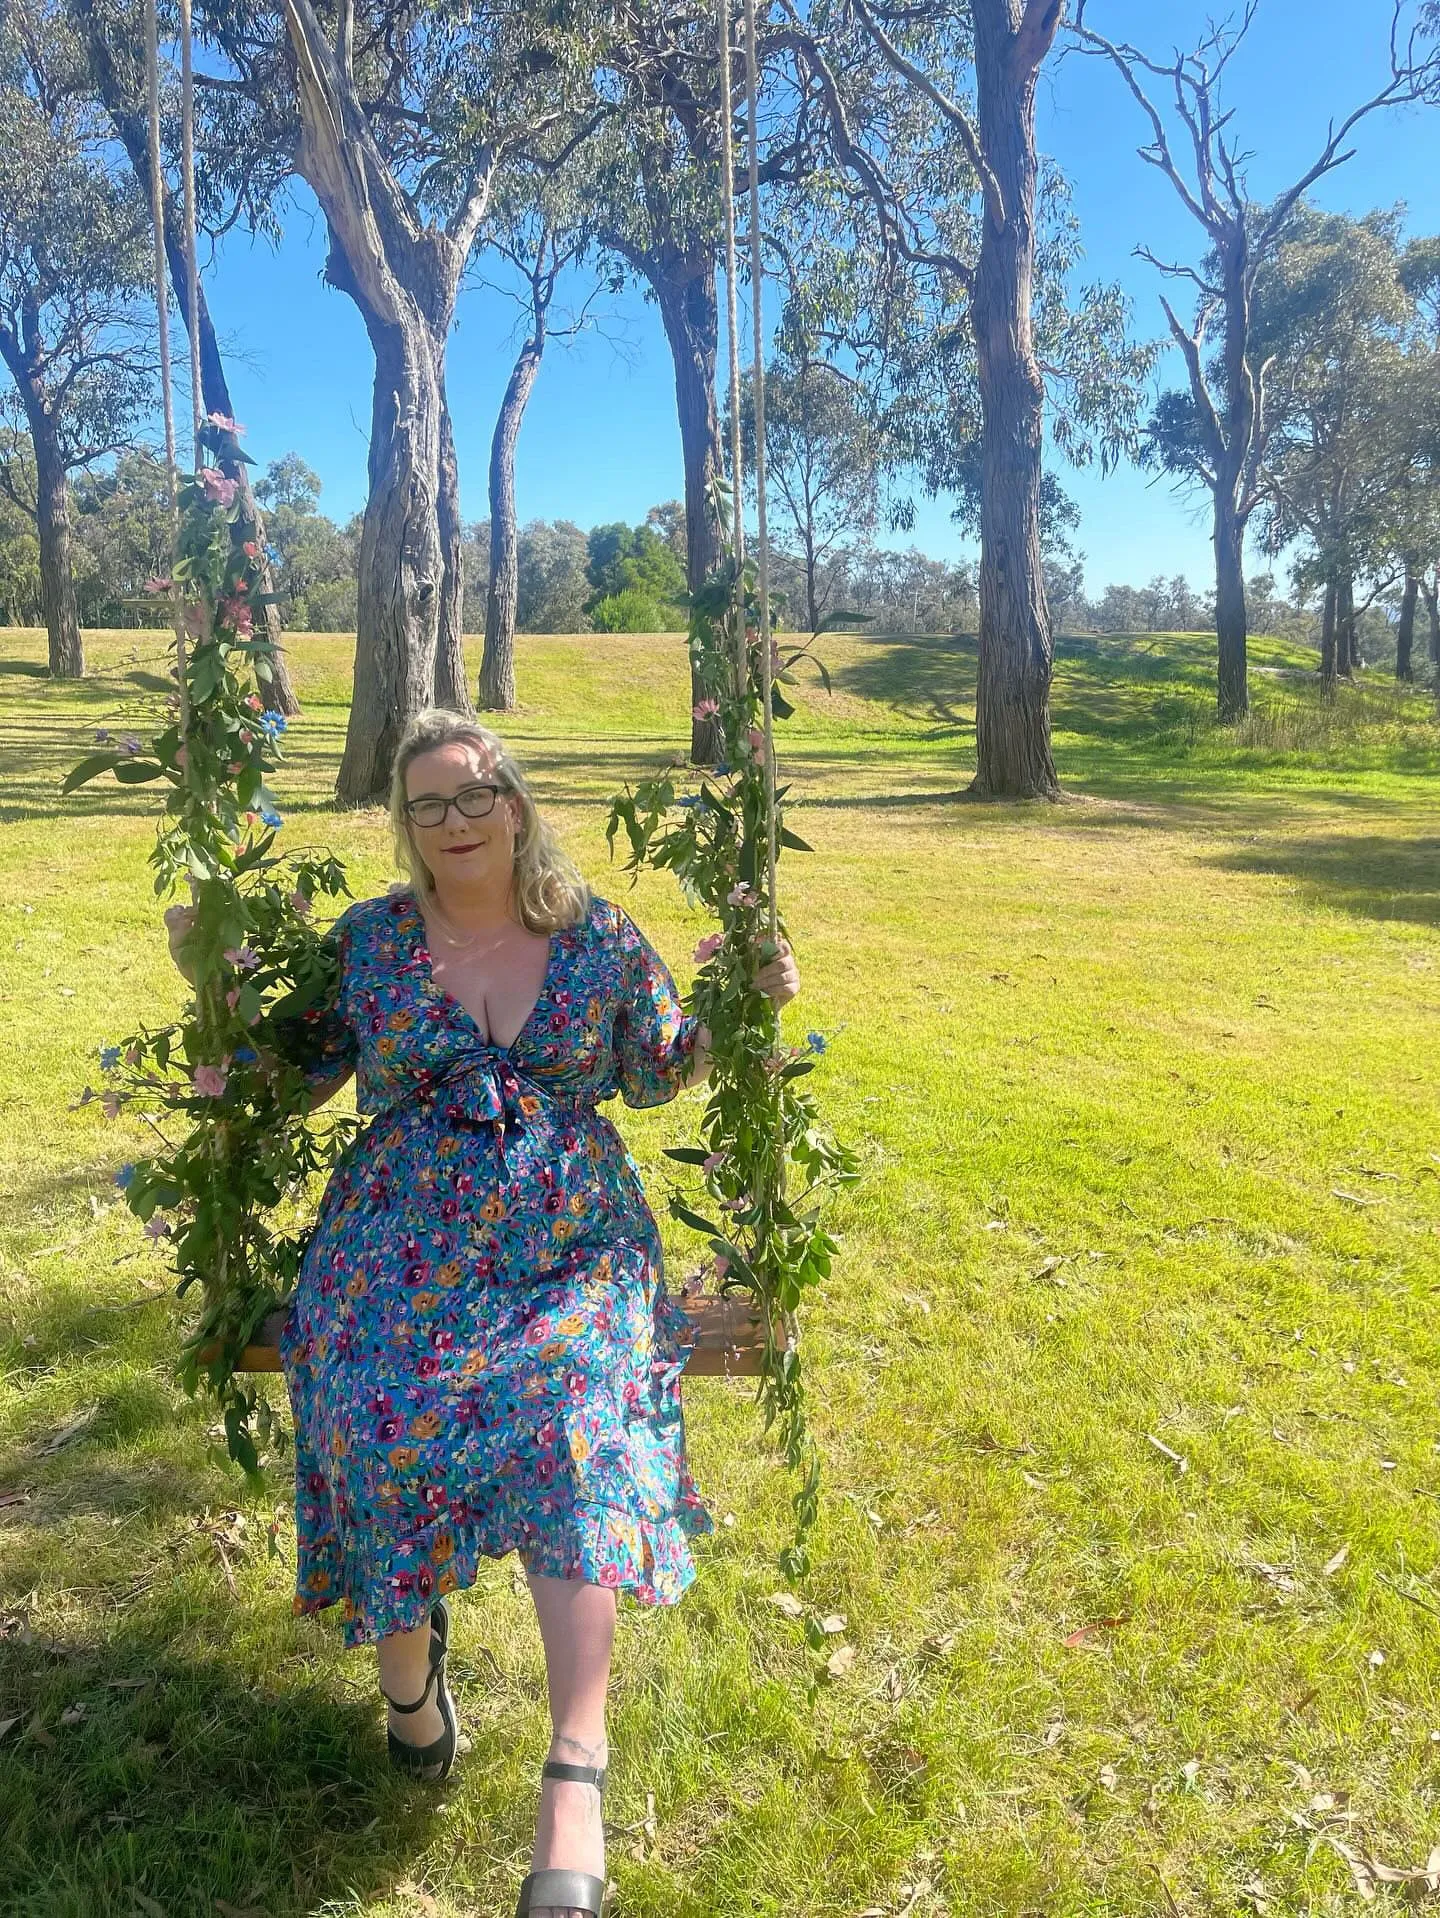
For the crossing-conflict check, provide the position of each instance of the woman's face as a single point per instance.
(473, 852)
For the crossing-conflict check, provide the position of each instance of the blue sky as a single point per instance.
(600, 440)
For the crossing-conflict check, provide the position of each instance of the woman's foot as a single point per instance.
(569, 1834)
(405, 1666)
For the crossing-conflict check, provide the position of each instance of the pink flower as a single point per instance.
(157, 585)
(245, 957)
(757, 742)
(132, 1057)
(216, 486)
(110, 1104)
(705, 709)
(252, 700)
(195, 621)
(232, 997)
(237, 765)
(157, 1228)
(708, 947)
(714, 1159)
(210, 1081)
(722, 1265)
(182, 757)
(300, 903)
(250, 549)
(740, 895)
(235, 613)
(224, 422)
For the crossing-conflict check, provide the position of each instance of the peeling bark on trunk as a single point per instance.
(684, 286)
(1405, 630)
(1012, 702)
(52, 525)
(497, 667)
(1230, 617)
(451, 690)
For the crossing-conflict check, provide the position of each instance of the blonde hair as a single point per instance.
(550, 893)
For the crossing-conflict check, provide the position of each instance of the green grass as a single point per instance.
(1144, 1087)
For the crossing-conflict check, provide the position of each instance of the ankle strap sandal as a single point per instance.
(565, 1890)
(430, 1762)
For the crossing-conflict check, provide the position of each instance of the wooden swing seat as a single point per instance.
(731, 1344)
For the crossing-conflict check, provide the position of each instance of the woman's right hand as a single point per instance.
(178, 922)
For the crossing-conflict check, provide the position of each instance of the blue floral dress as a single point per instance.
(481, 1354)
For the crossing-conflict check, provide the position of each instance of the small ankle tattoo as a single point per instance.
(587, 1754)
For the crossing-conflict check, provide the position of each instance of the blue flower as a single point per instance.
(102, 738)
(722, 772)
(691, 799)
(270, 817)
(273, 723)
(815, 1041)
(244, 1055)
(125, 1177)
(109, 1058)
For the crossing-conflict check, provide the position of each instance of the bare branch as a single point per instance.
(1174, 271)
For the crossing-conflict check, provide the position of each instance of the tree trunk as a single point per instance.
(1230, 618)
(52, 526)
(402, 560)
(1327, 640)
(1345, 654)
(684, 286)
(1405, 630)
(1431, 591)
(451, 690)
(497, 667)
(812, 604)
(121, 94)
(1012, 702)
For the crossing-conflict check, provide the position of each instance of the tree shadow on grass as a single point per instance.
(188, 1780)
(1365, 874)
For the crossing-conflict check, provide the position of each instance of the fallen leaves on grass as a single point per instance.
(788, 1603)
(1367, 1871)
(1182, 1465)
(17, 1495)
(1079, 1639)
(74, 1427)
(1332, 1565)
(833, 1623)
(840, 1661)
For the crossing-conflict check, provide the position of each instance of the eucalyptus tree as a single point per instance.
(113, 36)
(1329, 312)
(400, 118)
(543, 230)
(73, 264)
(827, 451)
(1213, 432)
(929, 111)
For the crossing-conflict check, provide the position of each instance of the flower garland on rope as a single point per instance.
(767, 1241)
(225, 1193)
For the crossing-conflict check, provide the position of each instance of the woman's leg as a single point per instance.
(577, 1623)
(404, 1667)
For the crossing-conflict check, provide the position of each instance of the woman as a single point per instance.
(481, 1355)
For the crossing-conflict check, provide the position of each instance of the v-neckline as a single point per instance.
(433, 985)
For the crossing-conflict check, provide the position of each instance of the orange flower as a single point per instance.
(337, 1444)
(553, 1350)
(401, 1457)
(448, 1580)
(443, 1548)
(318, 1582)
(579, 1448)
(400, 1021)
(397, 1138)
(579, 1204)
(529, 1105)
(451, 1273)
(357, 1287)
(574, 1322)
(493, 1208)
(473, 1364)
(385, 1047)
(562, 1229)
(424, 1301)
(425, 1426)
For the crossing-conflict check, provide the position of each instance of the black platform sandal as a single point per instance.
(565, 1890)
(430, 1762)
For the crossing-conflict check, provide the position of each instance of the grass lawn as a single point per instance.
(1124, 1380)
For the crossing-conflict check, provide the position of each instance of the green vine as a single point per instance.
(221, 1089)
(759, 1128)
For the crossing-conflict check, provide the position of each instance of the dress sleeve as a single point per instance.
(320, 1040)
(654, 1035)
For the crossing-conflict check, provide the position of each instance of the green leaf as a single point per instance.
(794, 841)
(780, 705)
(686, 1154)
(89, 769)
(138, 772)
(797, 1068)
(679, 1210)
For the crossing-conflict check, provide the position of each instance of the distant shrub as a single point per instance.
(634, 611)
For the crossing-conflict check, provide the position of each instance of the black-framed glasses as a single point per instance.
(471, 802)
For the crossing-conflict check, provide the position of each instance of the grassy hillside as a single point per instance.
(1134, 1330)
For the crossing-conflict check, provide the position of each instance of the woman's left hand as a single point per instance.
(779, 978)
